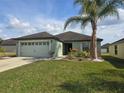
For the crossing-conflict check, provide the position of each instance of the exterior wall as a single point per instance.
(99, 48)
(120, 51)
(79, 46)
(103, 50)
(54, 46)
(76, 45)
(9, 48)
(111, 50)
(58, 48)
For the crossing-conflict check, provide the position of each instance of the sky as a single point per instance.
(23, 17)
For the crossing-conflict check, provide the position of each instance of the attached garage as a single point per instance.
(35, 49)
(40, 44)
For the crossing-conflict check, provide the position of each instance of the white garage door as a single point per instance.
(34, 49)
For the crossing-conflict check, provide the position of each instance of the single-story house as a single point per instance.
(9, 45)
(116, 49)
(44, 44)
(105, 48)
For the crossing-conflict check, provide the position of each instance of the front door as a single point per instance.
(67, 48)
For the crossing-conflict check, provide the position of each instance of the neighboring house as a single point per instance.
(45, 45)
(105, 48)
(9, 45)
(116, 49)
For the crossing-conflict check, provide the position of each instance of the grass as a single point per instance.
(65, 77)
(7, 54)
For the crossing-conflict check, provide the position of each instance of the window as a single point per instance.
(40, 43)
(116, 49)
(85, 46)
(47, 43)
(22, 44)
(25, 43)
(36, 43)
(44, 43)
(29, 43)
(32, 43)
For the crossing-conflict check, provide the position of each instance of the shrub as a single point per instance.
(2, 49)
(76, 53)
(74, 50)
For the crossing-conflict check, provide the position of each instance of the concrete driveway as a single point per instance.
(11, 63)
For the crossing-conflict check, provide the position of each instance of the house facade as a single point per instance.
(116, 49)
(105, 48)
(9, 45)
(46, 45)
(73, 40)
(39, 45)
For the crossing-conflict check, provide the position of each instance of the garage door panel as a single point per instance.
(41, 51)
(35, 50)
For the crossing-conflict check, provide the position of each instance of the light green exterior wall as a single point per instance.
(120, 50)
(57, 48)
(99, 48)
(78, 45)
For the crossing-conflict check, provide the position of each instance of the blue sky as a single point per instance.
(22, 17)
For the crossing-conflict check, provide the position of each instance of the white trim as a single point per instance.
(81, 46)
(50, 45)
(19, 48)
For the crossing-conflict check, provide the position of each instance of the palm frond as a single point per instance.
(110, 8)
(82, 19)
(108, 11)
(72, 19)
(85, 21)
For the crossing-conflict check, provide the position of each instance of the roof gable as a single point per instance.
(41, 35)
(73, 36)
(118, 42)
(105, 45)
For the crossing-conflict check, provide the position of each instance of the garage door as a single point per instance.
(34, 49)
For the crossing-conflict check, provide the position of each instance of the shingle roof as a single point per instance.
(119, 41)
(9, 42)
(73, 36)
(41, 35)
(105, 45)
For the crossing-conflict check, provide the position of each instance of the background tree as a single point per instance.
(90, 12)
(0, 41)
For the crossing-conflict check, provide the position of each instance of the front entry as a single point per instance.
(67, 47)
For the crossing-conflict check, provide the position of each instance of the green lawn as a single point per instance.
(65, 77)
(7, 54)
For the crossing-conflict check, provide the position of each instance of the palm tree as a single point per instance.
(90, 12)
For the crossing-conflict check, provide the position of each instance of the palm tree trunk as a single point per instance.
(94, 41)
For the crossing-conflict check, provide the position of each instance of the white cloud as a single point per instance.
(16, 23)
(19, 25)
(50, 25)
(1, 30)
(110, 29)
